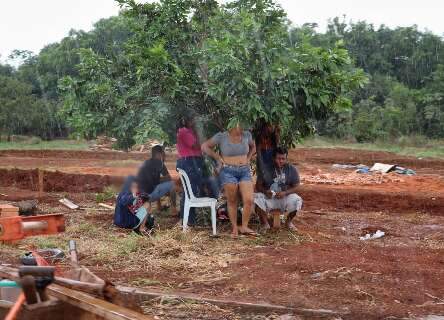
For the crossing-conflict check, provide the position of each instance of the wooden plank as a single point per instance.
(107, 206)
(40, 172)
(144, 295)
(101, 308)
(276, 219)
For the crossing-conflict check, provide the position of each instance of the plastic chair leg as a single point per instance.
(213, 218)
(186, 214)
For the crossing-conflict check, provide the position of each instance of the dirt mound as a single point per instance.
(354, 199)
(350, 156)
(56, 181)
(298, 155)
(315, 196)
(69, 154)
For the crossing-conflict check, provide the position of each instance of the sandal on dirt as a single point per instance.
(144, 233)
(250, 234)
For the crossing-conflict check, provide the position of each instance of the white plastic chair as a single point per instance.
(192, 202)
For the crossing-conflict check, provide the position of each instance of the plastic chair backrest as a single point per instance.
(186, 184)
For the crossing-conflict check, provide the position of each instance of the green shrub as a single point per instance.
(34, 140)
(107, 194)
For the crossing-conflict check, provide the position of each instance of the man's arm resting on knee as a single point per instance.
(287, 192)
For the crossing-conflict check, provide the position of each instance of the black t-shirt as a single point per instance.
(281, 180)
(149, 175)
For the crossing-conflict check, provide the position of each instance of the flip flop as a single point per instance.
(250, 234)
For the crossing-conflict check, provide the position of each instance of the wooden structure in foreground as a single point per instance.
(68, 304)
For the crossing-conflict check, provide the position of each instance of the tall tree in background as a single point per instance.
(229, 63)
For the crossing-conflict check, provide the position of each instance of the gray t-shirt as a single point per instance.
(229, 149)
(281, 180)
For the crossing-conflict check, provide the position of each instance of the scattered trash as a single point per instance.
(107, 206)
(69, 204)
(27, 207)
(50, 255)
(378, 234)
(382, 167)
(401, 170)
(365, 170)
(103, 143)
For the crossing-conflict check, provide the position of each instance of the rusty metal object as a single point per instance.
(17, 228)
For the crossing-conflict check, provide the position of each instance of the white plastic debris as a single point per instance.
(382, 167)
(378, 234)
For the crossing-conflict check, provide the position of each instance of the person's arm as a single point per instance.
(262, 188)
(291, 189)
(207, 148)
(165, 174)
(252, 147)
(126, 199)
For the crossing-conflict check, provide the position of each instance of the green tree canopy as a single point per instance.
(228, 63)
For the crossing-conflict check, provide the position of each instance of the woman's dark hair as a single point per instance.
(182, 123)
(280, 150)
(156, 150)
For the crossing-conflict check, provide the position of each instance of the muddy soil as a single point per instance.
(350, 156)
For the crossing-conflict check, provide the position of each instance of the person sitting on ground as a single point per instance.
(277, 190)
(132, 208)
(154, 179)
(236, 150)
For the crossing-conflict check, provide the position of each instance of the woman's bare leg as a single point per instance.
(232, 200)
(142, 226)
(246, 190)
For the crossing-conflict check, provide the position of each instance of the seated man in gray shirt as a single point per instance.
(277, 190)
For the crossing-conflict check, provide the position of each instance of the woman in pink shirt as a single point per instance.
(190, 160)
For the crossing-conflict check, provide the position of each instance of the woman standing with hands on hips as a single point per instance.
(236, 150)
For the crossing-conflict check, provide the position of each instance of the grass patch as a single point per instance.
(51, 242)
(409, 146)
(192, 257)
(108, 193)
(33, 144)
(144, 282)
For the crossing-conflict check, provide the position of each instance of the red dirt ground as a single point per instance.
(323, 186)
(396, 276)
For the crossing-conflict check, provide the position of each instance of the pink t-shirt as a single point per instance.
(185, 141)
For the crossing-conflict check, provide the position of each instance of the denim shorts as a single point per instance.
(234, 174)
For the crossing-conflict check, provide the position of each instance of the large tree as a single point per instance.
(226, 63)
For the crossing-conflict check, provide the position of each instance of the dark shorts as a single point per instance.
(235, 174)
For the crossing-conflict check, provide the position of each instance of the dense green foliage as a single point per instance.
(34, 104)
(405, 93)
(134, 75)
(229, 64)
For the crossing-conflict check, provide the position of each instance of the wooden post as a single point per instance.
(40, 171)
(276, 218)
